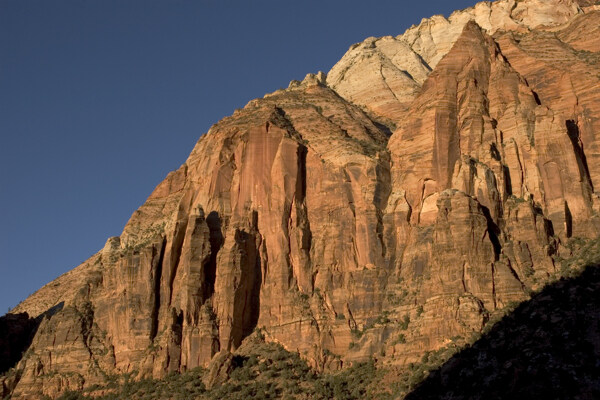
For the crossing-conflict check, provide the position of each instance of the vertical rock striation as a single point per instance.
(428, 181)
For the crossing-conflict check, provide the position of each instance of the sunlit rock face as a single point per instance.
(425, 183)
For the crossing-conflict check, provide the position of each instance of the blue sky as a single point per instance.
(100, 99)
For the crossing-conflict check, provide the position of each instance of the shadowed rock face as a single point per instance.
(547, 348)
(304, 216)
(16, 333)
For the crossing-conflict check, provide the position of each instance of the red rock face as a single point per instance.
(302, 216)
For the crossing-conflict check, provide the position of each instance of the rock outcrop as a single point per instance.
(424, 184)
(385, 74)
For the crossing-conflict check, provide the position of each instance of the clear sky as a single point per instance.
(100, 99)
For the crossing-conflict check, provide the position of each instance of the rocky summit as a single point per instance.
(380, 213)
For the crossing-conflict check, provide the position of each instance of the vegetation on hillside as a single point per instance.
(546, 347)
(267, 371)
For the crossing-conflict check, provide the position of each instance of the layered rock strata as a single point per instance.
(305, 216)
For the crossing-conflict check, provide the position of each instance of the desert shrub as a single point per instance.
(404, 322)
(400, 339)
(71, 395)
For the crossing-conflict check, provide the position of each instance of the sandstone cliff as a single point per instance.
(403, 199)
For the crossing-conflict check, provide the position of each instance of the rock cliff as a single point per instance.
(405, 198)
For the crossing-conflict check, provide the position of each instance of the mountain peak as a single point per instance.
(381, 212)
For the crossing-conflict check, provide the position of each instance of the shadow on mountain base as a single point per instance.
(547, 348)
(16, 333)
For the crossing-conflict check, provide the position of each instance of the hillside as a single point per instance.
(389, 210)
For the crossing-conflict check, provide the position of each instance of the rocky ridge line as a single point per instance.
(301, 216)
